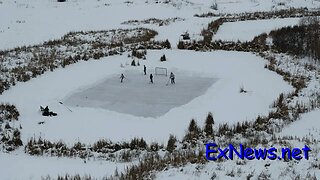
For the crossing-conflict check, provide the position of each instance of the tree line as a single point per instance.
(300, 40)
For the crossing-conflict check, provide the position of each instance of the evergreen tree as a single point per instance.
(171, 143)
(133, 63)
(167, 44)
(208, 129)
(193, 127)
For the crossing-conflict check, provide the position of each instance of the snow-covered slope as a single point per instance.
(247, 30)
(26, 22)
(307, 126)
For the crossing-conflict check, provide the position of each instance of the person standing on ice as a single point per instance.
(121, 78)
(151, 78)
(172, 78)
(145, 69)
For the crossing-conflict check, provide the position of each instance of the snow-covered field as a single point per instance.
(31, 22)
(247, 30)
(229, 68)
(307, 126)
(239, 6)
(26, 22)
(22, 166)
(205, 82)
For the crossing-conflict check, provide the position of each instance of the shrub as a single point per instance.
(155, 146)
(8, 112)
(138, 144)
(140, 54)
(133, 63)
(181, 45)
(167, 44)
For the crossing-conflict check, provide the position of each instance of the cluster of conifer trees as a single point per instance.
(302, 40)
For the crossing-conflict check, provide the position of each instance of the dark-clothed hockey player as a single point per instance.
(151, 78)
(145, 69)
(121, 78)
(172, 78)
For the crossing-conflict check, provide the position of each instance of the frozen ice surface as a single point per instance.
(137, 96)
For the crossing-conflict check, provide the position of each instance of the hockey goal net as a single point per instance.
(161, 71)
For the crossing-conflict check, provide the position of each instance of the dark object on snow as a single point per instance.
(151, 78)
(185, 36)
(46, 112)
(145, 69)
(242, 90)
(163, 58)
(121, 78)
(172, 78)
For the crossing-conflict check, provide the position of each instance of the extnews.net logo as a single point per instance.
(213, 153)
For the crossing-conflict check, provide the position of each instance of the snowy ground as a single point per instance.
(28, 22)
(137, 96)
(22, 166)
(229, 170)
(249, 29)
(31, 22)
(239, 6)
(307, 126)
(230, 68)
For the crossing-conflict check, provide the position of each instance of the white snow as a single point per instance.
(22, 166)
(232, 69)
(307, 126)
(29, 22)
(240, 6)
(247, 30)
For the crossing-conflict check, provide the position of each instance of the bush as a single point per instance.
(133, 63)
(140, 54)
(167, 44)
(155, 146)
(181, 45)
(8, 112)
(138, 144)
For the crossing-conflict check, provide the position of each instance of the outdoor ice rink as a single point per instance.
(137, 96)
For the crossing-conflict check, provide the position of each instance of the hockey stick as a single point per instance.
(168, 82)
(65, 106)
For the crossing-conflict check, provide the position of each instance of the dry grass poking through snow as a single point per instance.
(23, 63)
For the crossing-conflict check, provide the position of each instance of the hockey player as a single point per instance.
(172, 78)
(151, 78)
(145, 69)
(121, 78)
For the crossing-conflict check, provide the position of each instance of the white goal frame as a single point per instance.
(161, 71)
